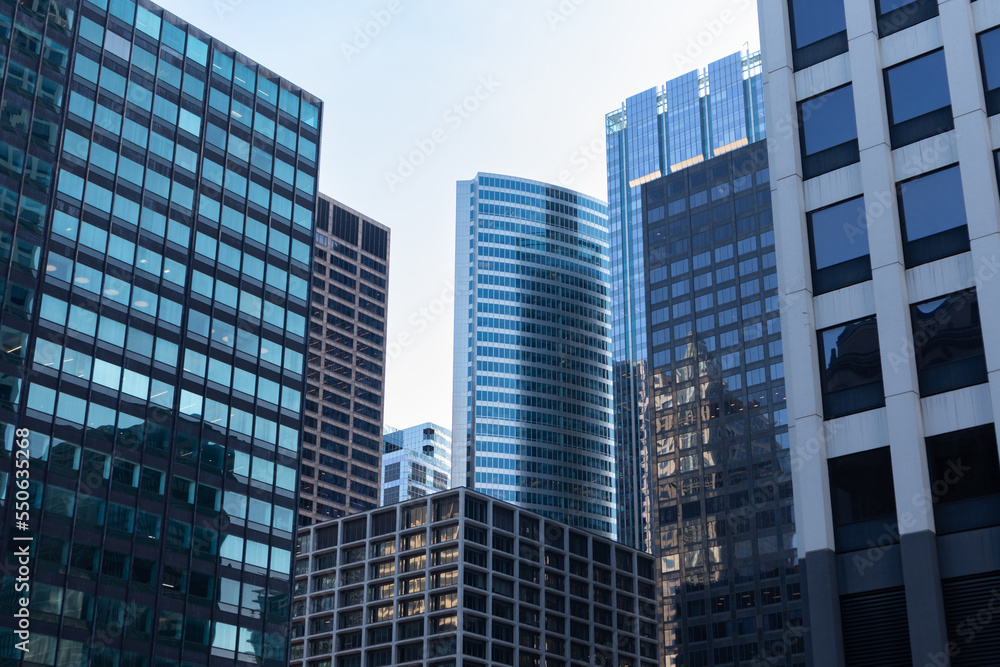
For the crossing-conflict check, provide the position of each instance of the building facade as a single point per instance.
(156, 226)
(532, 375)
(724, 531)
(690, 119)
(416, 462)
(887, 226)
(461, 579)
(342, 442)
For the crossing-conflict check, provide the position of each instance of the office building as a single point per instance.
(690, 119)
(886, 224)
(342, 442)
(156, 226)
(416, 462)
(532, 374)
(723, 532)
(461, 579)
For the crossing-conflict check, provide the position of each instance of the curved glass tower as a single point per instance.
(532, 375)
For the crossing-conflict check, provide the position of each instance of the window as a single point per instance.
(989, 60)
(862, 500)
(965, 479)
(850, 368)
(838, 243)
(932, 214)
(819, 31)
(948, 343)
(828, 132)
(918, 99)
(896, 15)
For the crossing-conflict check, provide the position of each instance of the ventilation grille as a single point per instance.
(876, 633)
(972, 609)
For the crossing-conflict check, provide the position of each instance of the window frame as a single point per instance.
(859, 398)
(812, 53)
(904, 17)
(928, 124)
(941, 244)
(834, 157)
(842, 274)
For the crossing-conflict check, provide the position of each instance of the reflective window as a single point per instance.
(838, 237)
(932, 214)
(989, 60)
(862, 500)
(850, 368)
(948, 342)
(964, 464)
(819, 30)
(896, 15)
(828, 132)
(918, 99)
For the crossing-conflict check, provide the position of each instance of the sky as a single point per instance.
(419, 95)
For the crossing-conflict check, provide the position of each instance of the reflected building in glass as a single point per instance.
(157, 195)
(690, 119)
(416, 462)
(342, 441)
(532, 405)
(723, 526)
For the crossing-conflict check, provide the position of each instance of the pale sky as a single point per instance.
(516, 87)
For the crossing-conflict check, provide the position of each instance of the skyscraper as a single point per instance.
(532, 386)
(690, 119)
(723, 530)
(346, 374)
(156, 226)
(416, 462)
(887, 227)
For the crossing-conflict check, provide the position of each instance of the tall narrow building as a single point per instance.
(532, 375)
(342, 442)
(156, 232)
(724, 534)
(690, 119)
(416, 461)
(887, 226)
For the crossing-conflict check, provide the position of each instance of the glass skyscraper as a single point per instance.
(532, 418)
(690, 119)
(416, 461)
(157, 194)
(723, 524)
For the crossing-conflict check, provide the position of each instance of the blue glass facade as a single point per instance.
(156, 226)
(660, 131)
(416, 461)
(532, 418)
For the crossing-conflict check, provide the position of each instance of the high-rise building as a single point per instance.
(532, 372)
(416, 462)
(690, 119)
(459, 579)
(887, 226)
(723, 530)
(156, 227)
(342, 442)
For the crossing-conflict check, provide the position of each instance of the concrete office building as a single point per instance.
(416, 462)
(887, 226)
(532, 421)
(461, 579)
(690, 119)
(157, 194)
(724, 534)
(342, 442)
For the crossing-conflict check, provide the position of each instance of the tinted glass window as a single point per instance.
(989, 57)
(851, 368)
(930, 206)
(896, 15)
(862, 498)
(839, 243)
(948, 341)
(917, 87)
(828, 120)
(965, 479)
(813, 20)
